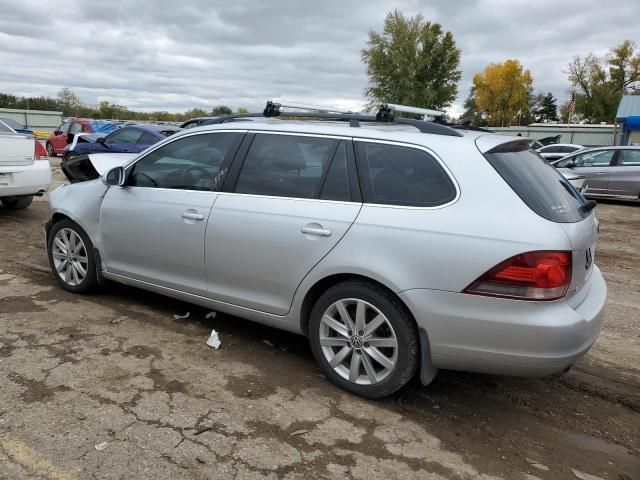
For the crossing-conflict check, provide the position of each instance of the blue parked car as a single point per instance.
(16, 126)
(127, 139)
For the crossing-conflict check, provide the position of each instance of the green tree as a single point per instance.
(546, 108)
(471, 113)
(68, 102)
(600, 82)
(412, 62)
(221, 110)
(242, 110)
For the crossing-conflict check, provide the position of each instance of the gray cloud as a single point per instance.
(178, 55)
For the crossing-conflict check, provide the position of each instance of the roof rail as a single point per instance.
(384, 115)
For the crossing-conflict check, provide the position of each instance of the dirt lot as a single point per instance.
(111, 386)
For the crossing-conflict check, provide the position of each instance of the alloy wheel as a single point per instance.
(70, 256)
(358, 341)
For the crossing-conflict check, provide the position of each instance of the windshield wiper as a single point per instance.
(588, 206)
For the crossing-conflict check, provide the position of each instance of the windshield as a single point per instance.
(537, 183)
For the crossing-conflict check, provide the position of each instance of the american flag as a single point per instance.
(572, 104)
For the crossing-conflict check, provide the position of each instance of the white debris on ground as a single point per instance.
(101, 446)
(181, 317)
(213, 340)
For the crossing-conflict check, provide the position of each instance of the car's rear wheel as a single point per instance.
(50, 151)
(71, 257)
(364, 339)
(17, 203)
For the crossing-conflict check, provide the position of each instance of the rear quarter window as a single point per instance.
(398, 175)
(537, 183)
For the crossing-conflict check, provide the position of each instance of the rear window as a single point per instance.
(537, 183)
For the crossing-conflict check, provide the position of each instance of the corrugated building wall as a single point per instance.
(36, 120)
(587, 135)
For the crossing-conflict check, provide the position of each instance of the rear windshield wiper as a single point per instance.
(588, 206)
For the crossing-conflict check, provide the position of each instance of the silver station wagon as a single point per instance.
(398, 247)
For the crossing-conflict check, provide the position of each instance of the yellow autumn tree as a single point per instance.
(501, 92)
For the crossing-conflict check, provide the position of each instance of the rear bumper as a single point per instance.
(508, 337)
(25, 180)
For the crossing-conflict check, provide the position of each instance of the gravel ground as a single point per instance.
(109, 385)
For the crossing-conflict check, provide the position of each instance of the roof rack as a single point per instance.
(384, 115)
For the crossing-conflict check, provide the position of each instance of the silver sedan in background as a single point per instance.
(610, 172)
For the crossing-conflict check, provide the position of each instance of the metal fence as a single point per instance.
(587, 135)
(36, 120)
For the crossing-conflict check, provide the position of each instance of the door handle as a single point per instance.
(192, 216)
(316, 231)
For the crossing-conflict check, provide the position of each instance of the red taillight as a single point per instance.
(40, 153)
(528, 276)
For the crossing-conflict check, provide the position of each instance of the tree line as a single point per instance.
(71, 106)
(416, 62)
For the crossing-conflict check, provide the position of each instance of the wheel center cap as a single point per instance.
(356, 341)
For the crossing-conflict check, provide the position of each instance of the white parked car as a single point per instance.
(558, 150)
(24, 168)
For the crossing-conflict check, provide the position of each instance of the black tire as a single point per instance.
(90, 280)
(17, 203)
(50, 151)
(398, 316)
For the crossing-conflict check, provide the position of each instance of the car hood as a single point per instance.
(103, 162)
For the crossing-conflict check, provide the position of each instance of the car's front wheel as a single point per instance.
(364, 339)
(71, 257)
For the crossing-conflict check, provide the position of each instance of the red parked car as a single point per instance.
(58, 139)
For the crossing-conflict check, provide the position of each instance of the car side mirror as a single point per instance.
(115, 177)
(100, 140)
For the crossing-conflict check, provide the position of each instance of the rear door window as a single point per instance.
(537, 183)
(398, 175)
(629, 158)
(286, 166)
(126, 136)
(146, 139)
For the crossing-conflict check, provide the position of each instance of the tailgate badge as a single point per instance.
(589, 259)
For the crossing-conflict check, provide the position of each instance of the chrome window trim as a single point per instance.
(427, 150)
(319, 200)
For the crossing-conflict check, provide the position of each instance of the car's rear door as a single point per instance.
(624, 178)
(153, 228)
(285, 204)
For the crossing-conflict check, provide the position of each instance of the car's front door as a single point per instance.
(595, 165)
(624, 179)
(282, 209)
(153, 227)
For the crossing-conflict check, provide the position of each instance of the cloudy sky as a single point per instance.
(172, 55)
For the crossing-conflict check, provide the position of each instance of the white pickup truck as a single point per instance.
(24, 169)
